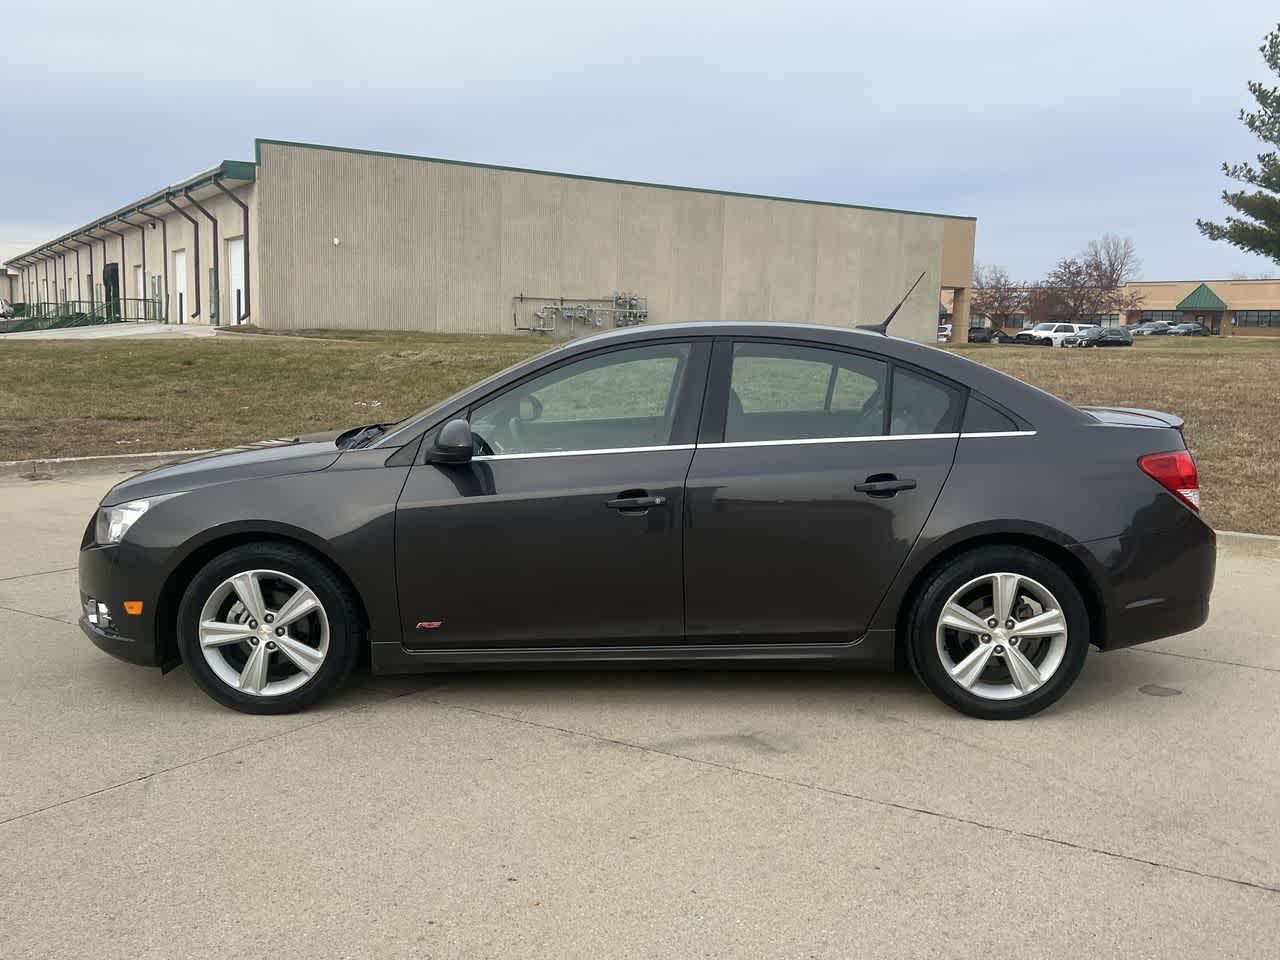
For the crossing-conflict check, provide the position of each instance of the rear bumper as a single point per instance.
(1155, 583)
(104, 580)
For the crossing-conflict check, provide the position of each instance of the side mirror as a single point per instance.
(453, 443)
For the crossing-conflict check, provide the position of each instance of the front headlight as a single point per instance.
(114, 522)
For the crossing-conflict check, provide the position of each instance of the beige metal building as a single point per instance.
(312, 236)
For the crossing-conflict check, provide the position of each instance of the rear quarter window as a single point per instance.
(922, 405)
(981, 417)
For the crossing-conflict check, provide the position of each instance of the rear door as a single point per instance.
(815, 471)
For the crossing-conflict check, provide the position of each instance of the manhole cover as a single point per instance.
(1155, 690)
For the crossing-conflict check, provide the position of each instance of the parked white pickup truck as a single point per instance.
(1051, 334)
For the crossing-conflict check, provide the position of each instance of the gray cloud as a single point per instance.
(1051, 122)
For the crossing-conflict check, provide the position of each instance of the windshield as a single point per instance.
(1044, 326)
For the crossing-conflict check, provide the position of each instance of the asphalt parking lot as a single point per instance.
(647, 814)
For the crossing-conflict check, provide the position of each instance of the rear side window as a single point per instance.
(981, 417)
(783, 392)
(922, 405)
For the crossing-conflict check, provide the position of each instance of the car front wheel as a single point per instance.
(268, 628)
(1000, 633)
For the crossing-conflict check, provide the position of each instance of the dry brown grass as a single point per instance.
(1228, 391)
(69, 398)
(79, 398)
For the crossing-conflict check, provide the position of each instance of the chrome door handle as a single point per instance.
(635, 503)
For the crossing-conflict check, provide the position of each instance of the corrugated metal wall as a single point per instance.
(435, 246)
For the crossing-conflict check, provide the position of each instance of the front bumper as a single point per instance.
(104, 580)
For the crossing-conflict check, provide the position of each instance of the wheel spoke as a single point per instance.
(254, 675)
(968, 670)
(1023, 672)
(215, 633)
(249, 590)
(299, 605)
(1004, 590)
(307, 659)
(966, 621)
(1047, 624)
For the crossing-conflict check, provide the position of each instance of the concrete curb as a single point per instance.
(56, 467)
(1254, 544)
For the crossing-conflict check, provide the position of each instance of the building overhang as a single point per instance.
(237, 171)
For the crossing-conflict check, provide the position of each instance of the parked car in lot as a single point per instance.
(696, 493)
(1100, 337)
(1154, 328)
(1190, 329)
(1049, 334)
(944, 333)
(988, 335)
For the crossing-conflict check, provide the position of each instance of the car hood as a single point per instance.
(265, 458)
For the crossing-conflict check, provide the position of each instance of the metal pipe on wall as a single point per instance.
(244, 212)
(195, 226)
(215, 292)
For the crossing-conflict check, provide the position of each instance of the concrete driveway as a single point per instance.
(650, 814)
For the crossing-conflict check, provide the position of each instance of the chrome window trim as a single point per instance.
(485, 458)
(582, 453)
(799, 440)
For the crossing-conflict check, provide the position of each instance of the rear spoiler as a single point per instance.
(1135, 417)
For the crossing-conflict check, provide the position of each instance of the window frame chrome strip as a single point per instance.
(730, 444)
(583, 453)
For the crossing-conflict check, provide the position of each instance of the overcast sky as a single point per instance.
(1052, 122)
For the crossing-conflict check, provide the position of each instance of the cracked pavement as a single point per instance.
(630, 814)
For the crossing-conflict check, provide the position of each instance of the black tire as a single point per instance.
(340, 608)
(921, 638)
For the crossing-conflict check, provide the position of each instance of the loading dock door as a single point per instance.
(235, 277)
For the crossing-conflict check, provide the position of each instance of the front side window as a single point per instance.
(616, 400)
(783, 392)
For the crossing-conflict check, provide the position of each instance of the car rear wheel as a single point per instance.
(1000, 633)
(268, 628)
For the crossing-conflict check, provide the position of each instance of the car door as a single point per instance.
(564, 528)
(815, 471)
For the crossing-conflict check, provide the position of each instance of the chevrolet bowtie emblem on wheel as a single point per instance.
(430, 624)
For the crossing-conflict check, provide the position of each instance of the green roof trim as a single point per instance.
(1201, 298)
(239, 169)
(260, 141)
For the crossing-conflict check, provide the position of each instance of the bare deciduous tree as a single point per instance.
(1092, 284)
(995, 296)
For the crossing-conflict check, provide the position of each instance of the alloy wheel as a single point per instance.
(1001, 636)
(264, 632)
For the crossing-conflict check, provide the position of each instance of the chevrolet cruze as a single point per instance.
(685, 494)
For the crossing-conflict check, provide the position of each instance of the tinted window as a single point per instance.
(1064, 328)
(624, 398)
(780, 392)
(922, 404)
(981, 417)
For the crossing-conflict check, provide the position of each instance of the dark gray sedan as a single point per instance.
(704, 494)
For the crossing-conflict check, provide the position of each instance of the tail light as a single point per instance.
(1176, 472)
